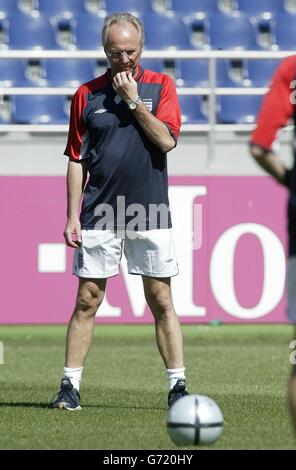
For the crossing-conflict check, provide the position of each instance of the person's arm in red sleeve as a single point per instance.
(276, 110)
(162, 129)
(76, 150)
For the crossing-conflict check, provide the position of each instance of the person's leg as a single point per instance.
(79, 336)
(291, 283)
(168, 334)
(167, 326)
(151, 253)
(96, 260)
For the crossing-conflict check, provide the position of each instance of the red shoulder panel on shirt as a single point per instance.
(77, 131)
(277, 106)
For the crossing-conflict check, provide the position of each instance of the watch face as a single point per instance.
(132, 105)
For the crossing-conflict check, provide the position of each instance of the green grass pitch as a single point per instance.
(244, 368)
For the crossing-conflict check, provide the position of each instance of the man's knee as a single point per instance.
(89, 297)
(86, 301)
(159, 299)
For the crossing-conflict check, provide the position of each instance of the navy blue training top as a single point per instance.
(127, 172)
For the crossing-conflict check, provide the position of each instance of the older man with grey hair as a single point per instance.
(121, 127)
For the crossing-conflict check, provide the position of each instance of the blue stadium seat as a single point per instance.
(139, 6)
(31, 32)
(285, 31)
(238, 109)
(12, 73)
(157, 65)
(4, 121)
(191, 109)
(8, 7)
(5, 111)
(61, 7)
(260, 72)
(88, 31)
(165, 32)
(37, 109)
(260, 8)
(69, 72)
(231, 32)
(194, 6)
(191, 73)
(4, 25)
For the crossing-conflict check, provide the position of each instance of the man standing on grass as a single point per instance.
(277, 109)
(122, 125)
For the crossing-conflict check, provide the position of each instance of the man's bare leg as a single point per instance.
(167, 326)
(80, 330)
(79, 337)
(168, 334)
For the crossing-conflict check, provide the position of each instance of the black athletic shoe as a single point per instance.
(67, 398)
(178, 391)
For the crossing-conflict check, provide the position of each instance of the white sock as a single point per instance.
(174, 375)
(74, 374)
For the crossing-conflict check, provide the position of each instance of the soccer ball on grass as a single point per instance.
(194, 420)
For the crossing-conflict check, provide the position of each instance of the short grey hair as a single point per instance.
(122, 18)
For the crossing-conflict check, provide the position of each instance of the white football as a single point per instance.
(194, 420)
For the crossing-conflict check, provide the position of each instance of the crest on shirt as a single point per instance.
(148, 103)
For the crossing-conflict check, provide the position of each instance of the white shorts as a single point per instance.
(149, 253)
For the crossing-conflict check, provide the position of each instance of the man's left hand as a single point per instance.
(125, 86)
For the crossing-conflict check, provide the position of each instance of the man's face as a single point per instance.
(123, 48)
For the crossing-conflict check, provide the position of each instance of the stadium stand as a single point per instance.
(192, 110)
(5, 111)
(165, 32)
(234, 31)
(8, 7)
(284, 31)
(133, 6)
(74, 72)
(191, 73)
(153, 64)
(3, 33)
(31, 32)
(13, 73)
(39, 25)
(38, 109)
(88, 31)
(259, 72)
(61, 7)
(238, 109)
(185, 7)
(264, 8)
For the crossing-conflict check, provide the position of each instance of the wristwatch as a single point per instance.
(132, 104)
